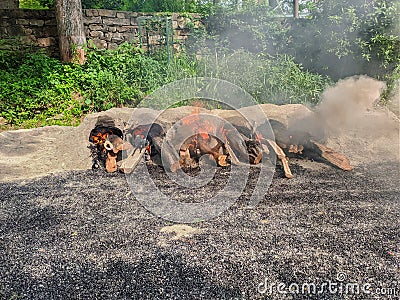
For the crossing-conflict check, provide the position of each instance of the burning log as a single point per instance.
(186, 159)
(99, 138)
(332, 156)
(142, 139)
(198, 145)
(108, 145)
(297, 149)
(203, 145)
(255, 152)
(234, 159)
(236, 145)
(282, 156)
(300, 142)
(128, 164)
(111, 162)
(170, 155)
(155, 139)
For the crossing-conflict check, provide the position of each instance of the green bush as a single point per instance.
(255, 29)
(276, 79)
(343, 38)
(38, 90)
(337, 39)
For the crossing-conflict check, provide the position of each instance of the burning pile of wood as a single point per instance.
(198, 137)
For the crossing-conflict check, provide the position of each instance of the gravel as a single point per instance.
(82, 235)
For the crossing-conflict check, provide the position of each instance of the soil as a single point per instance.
(68, 232)
(82, 235)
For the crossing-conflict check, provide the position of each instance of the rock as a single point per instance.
(121, 15)
(114, 21)
(100, 44)
(3, 121)
(112, 46)
(36, 22)
(35, 152)
(46, 42)
(96, 34)
(91, 12)
(95, 27)
(92, 20)
(107, 13)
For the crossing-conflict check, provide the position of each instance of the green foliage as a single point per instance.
(157, 5)
(255, 29)
(38, 90)
(276, 80)
(338, 38)
(104, 4)
(275, 59)
(36, 4)
(391, 94)
(349, 37)
(380, 40)
(47, 3)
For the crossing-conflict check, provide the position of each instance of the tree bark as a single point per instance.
(71, 32)
(296, 9)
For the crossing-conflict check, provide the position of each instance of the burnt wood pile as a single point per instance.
(206, 140)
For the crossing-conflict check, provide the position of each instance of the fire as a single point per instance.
(201, 126)
(100, 134)
(99, 138)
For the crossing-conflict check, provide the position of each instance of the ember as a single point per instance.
(103, 153)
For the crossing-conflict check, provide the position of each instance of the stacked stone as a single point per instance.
(105, 28)
(32, 27)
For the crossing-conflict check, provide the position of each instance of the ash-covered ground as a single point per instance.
(82, 235)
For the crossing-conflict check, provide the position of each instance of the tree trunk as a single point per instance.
(71, 32)
(296, 9)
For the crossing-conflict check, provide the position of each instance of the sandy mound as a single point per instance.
(35, 152)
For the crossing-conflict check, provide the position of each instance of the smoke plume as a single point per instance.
(343, 107)
(344, 104)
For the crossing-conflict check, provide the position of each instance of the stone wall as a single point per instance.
(9, 4)
(105, 28)
(29, 28)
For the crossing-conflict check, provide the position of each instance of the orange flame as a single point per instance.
(99, 138)
(201, 127)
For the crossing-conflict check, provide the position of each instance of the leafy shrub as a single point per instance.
(38, 90)
(36, 4)
(255, 29)
(104, 4)
(344, 38)
(268, 79)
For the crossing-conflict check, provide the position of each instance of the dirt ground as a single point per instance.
(68, 232)
(82, 235)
